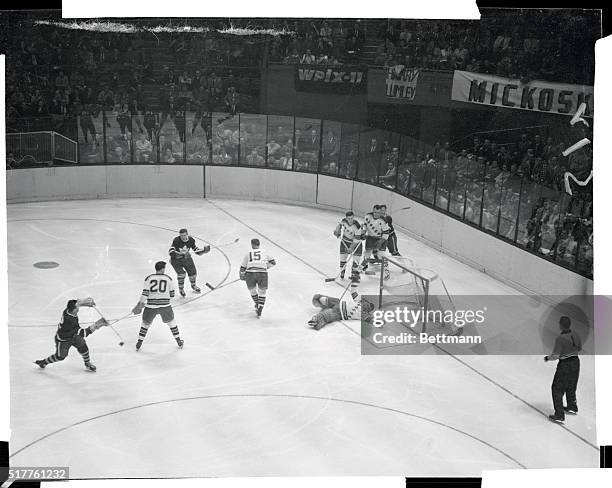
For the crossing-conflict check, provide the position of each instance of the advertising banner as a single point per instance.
(402, 84)
(326, 79)
(536, 95)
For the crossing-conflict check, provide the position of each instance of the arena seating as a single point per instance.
(75, 83)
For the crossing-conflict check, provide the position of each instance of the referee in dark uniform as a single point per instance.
(567, 346)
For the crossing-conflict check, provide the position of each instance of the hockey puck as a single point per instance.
(121, 344)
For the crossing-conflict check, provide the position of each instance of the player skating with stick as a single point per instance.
(157, 291)
(182, 262)
(254, 270)
(69, 334)
(349, 233)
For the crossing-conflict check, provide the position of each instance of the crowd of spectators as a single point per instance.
(55, 74)
(322, 42)
(160, 104)
(556, 45)
(516, 189)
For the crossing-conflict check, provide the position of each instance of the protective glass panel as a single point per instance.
(349, 151)
(390, 160)
(307, 144)
(371, 150)
(491, 203)
(429, 178)
(144, 148)
(90, 137)
(172, 137)
(280, 142)
(198, 138)
(473, 194)
(118, 137)
(252, 139)
(225, 138)
(510, 183)
(530, 210)
(407, 164)
(330, 148)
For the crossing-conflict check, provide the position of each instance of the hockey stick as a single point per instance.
(328, 280)
(225, 243)
(122, 318)
(345, 290)
(218, 287)
(113, 329)
(403, 208)
(200, 253)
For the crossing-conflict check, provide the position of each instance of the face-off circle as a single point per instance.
(46, 264)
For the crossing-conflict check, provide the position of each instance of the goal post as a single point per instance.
(43, 147)
(401, 283)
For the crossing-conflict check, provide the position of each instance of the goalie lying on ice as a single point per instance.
(350, 307)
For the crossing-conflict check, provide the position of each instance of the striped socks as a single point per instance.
(261, 300)
(181, 281)
(144, 328)
(85, 356)
(51, 359)
(175, 332)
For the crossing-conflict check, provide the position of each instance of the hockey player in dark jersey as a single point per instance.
(182, 262)
(391, 242)
(69, 334)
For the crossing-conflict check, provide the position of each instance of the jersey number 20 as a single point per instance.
(158, 284)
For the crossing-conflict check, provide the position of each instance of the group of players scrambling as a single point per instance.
(359, 243)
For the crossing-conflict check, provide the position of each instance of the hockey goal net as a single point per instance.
(403, 284)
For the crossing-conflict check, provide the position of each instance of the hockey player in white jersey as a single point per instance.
(349, 231)
(157, 291)
(376, 232)
(348, 307)
(254, 270)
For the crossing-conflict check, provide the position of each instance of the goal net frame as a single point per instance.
(416, 289)
(42, 147)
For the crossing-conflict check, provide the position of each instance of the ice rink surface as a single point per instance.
(249, 397)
